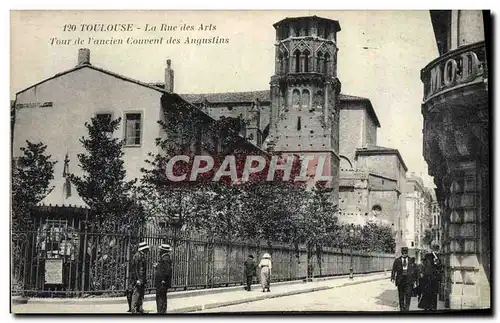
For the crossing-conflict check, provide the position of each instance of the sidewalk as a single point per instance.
(192, 303)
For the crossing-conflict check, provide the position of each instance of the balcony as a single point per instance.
(459, 76)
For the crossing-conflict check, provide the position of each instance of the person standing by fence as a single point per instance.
(265, 272)
(137, 284)
(163, 278)
(250, 272)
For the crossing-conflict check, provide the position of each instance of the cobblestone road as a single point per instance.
(372, 296)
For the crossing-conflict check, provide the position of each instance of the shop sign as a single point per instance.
(453, 72)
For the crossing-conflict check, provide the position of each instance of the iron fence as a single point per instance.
(66, 258)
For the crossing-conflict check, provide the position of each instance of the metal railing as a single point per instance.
(67, 259)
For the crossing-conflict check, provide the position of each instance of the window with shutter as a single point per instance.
(133, 129)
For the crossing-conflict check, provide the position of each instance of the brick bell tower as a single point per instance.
(304, 93)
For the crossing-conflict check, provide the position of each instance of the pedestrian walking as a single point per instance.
(430, 282)
(414, 275)
(404, 275)
(250, 272)
(163, 278)
(265, 266)
(137, 286)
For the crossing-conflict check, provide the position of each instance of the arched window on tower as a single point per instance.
(297, 61)
(326, 63)
(307, 29)
(299, 125)
(319, 62)
(306, 61)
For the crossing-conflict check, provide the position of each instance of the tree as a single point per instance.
(387, 241)
(315, 224)
(103, 186)
(269, 211)
(31, 176)
(112, 201)
(201, 204)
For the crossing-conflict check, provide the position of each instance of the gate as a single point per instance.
(48, 258)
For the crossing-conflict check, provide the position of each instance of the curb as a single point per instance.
(202, 307)
(172, 295)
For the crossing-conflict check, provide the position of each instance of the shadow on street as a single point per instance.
(388, 298)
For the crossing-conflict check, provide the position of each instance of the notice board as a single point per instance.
(54, 271)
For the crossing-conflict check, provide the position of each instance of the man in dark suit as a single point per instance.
(404, 275)
(163, 278)
(137, 286)
(250, 272)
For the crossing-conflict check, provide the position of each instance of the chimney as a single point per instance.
(83, 56)
(169, 77)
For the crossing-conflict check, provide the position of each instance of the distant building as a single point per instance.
(437, 229)
(456, 131)
(418, 216)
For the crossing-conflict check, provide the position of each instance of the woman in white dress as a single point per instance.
(265, 272)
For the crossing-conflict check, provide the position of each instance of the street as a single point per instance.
(372, 296)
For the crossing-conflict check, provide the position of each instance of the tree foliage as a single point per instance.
(103, 186)
(31, 176)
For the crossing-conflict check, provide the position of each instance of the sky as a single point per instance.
(380, 57)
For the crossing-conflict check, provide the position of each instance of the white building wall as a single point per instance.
(76, 97)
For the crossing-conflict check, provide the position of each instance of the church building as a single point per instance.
(305, 112)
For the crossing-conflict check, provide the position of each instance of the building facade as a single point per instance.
(456, 111)
(436, 216)
(71, 98)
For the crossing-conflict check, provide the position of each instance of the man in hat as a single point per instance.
(163, 278)
(250, 271)
(404, 276)
(137, 286)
